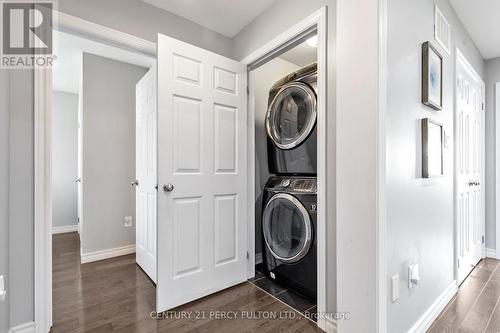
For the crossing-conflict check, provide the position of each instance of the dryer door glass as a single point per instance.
(292, 115)
(287, 228)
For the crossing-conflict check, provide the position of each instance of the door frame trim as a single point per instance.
(43, 153)
(461, 59)
(496, 102)
(317, 20)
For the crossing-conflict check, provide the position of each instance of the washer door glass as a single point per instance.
(287, 228)
(292, 115)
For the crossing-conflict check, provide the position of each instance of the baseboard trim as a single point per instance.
(491, 253)
(23, 328)
(432, 313)
(331, 325)
(258, 258)
(64, 229)
(106, 254)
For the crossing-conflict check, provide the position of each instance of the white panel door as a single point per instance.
(145, 166)
(202, 173)
(469, 167)
(79, 178)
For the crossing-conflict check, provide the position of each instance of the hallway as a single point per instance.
(115, 295)
(475, 307)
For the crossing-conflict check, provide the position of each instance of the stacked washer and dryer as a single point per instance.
(290, 197)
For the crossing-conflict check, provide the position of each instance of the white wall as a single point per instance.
(143, 20)
(492, 70)
(4, 193)
(263, 78)
(420, 214)
(357, 51)
(64, 159)
(108, 152)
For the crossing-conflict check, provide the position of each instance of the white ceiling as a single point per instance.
(68, 65)
(226, 17)
(301, 55)
(482, 20)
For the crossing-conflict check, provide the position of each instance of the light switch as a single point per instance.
(395, 288)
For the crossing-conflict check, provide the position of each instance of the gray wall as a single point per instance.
(263, 78)
(492, 77)
(21, 206)
(4, 193)
(108, 93)
(143, 20)
(419, 212)
(64, 159)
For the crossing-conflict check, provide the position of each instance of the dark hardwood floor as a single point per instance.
(115, 295)
(475, 308)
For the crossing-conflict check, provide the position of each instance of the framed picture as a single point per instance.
(432, 77)
(432, 148)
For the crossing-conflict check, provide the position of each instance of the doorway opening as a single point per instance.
(284, 91)
(103, 123)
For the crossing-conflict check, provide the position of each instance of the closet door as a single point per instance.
(202, 173)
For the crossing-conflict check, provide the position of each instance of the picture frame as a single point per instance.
(432, 77)
(432, 148)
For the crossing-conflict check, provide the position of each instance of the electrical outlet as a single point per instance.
(3, 291)
(128, 222)
(413, 276)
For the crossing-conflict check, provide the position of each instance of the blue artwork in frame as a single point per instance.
(432, 77)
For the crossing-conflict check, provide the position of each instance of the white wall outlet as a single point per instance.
(413, 275)
(128, 222)
(3, 292)
(395, 288)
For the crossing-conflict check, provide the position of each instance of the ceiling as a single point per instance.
(481, 18)
(226, 17)
(301, 55)
(68, 65)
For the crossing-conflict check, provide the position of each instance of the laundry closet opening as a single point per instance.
(284, 96)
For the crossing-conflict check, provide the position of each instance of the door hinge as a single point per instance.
(248, 256)
(248, 90)
(482, 106)
(482, 239)
(156, 187)
(458, 263)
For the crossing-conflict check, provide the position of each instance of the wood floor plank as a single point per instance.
(479, 315)
(115, 295)
(470, 310)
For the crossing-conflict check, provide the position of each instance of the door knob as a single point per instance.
(135, 183)
(168, 187)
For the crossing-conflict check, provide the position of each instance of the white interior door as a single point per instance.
(80, 161)
(145, 166)
(202, 173)
(469, 168)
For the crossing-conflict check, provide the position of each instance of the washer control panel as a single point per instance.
(305, 185)
(296, 184)
(286, 182)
